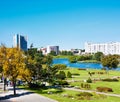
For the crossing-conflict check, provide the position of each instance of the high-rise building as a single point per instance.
(53, 48)
(106, 48)
(20, 41)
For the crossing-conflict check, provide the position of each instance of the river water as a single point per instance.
(79, 64)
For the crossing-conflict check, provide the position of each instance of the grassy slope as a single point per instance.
(82, 75)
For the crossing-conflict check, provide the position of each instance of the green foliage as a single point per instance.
(31, 52)
(60, 82)
(84, 57)
(110, 80)
(86, 86)
(60, 66)
(98, 56)
(53, 53)
(85, 94)
(49, 59)
(69, 75)
(33, 85)
(76, 74)
(89, 80)
(72, 59)
(61, 75)
(110, 61)
(66, 53)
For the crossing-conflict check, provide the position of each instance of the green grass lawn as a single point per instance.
(71, 96)
(78, 77)
(82, 75)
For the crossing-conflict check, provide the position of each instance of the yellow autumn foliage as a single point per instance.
(13, 62)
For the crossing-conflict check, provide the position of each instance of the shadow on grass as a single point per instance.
(43, 90)
(46, 90)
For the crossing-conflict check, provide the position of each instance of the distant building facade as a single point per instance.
(48, 49)
(20, 41)
(77, 51)
(53, 48)
(105, 48)
(44, 50)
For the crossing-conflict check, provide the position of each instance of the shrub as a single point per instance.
(62, 82)
(110, 80)
(33, 85)
(75, 74)
(104, 89)
(61, 75)
(60, 66)
(85, 94)
(87, 86)
(89, 80)
(69, 75)
(103, 68)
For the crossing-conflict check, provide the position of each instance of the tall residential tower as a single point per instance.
(20, 41)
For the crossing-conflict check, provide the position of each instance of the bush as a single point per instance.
(87, 86)
(110, 80)
(33, 85)
(75, 74)
(60, 66)
(104, 89)
(85, 94)
(69, 75)
(63, 82)
(61, 75)
(89, 80)
(103, 68)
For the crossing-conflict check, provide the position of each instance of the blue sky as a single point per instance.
(67, 23)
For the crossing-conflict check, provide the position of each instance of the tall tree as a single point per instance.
(110, 61)
(13, 62)
(98, 56)
(3, 52)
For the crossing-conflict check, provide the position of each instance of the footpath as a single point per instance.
(22, 96)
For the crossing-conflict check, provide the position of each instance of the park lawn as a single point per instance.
(60, 96)
(82, 75)
(114, 85)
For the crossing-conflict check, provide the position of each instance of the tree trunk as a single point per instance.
(4, 84)
(14, 87)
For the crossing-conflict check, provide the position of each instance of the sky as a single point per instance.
(66, 23)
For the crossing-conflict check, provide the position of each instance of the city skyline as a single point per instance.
(67, 23)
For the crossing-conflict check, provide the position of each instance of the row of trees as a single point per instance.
(27, 66)
(97, 56)
(108, 61)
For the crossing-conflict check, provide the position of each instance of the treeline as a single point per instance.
(97, 56)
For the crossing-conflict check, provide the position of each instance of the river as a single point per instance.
(78, 64)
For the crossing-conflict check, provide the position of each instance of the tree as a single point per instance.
(73, 59)
(62, 75)
(110, 61)
(53, 53)
(13, 63)
(3, 51)
(60, 66)
(69, 75)
(98, 56)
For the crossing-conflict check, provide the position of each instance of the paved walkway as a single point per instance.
(108, 94)
(23, 96)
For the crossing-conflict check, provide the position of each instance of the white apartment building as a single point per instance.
(48, 49)
(53, 48)
(105, 48)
